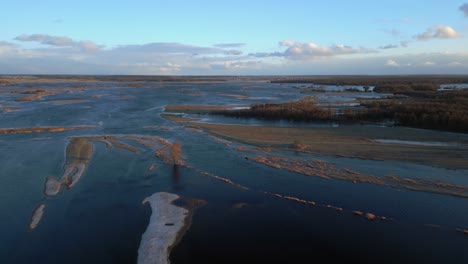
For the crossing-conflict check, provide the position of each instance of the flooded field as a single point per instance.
(79, 158)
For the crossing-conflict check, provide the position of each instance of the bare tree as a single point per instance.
(176, 153)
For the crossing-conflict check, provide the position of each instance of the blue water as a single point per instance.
(101, 219)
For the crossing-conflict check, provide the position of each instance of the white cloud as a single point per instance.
(429, 63)
(375, 65)
(310, 50)
(464, 9)
(235, 65)
(440, 32)
(454, 63)
(180, 58)
(47, 40)
(392, 63)
(59, 41)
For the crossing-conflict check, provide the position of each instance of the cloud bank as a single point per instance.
(64, 55)
(59, 41)
(438, 32)
(310, 50)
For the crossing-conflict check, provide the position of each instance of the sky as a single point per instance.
(255, 37)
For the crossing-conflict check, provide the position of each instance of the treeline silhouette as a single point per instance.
(374, 80)
(420, 106)
(446, 110)
(302, 110)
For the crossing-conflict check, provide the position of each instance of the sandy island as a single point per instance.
(27, 130)
(166, 225)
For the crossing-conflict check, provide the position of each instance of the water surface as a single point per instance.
(101, 219)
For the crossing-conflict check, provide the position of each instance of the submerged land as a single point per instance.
(336, 150)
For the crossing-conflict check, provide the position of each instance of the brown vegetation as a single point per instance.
(302, 110)
(416, 103)
(446, 110)
(298, 145)
(171, 153)
(355, 142)
(237, 96)
(37, 91)
(176, 153)
(222, 179)
(33, 94)
(370, 216)
(78, 155)
(40, 129)
(64, 102)
(319, 168)
(7, 109)
(177, 118)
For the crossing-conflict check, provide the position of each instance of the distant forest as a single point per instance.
(416, 102)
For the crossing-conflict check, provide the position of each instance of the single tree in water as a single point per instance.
(176, 153)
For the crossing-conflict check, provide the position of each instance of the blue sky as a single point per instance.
(234, 37)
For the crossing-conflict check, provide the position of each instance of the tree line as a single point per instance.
(421, 108)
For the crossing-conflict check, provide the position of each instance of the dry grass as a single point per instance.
(318, 168)
(338, 142)
(64, 102)
(37, 96)
(30, 79)
(28, 130)
(237, 96)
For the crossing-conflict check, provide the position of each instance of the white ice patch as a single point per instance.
(36, 216)
(166, 221)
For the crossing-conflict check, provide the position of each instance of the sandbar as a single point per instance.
(167, 224)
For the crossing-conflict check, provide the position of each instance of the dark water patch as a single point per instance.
(305, 233)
